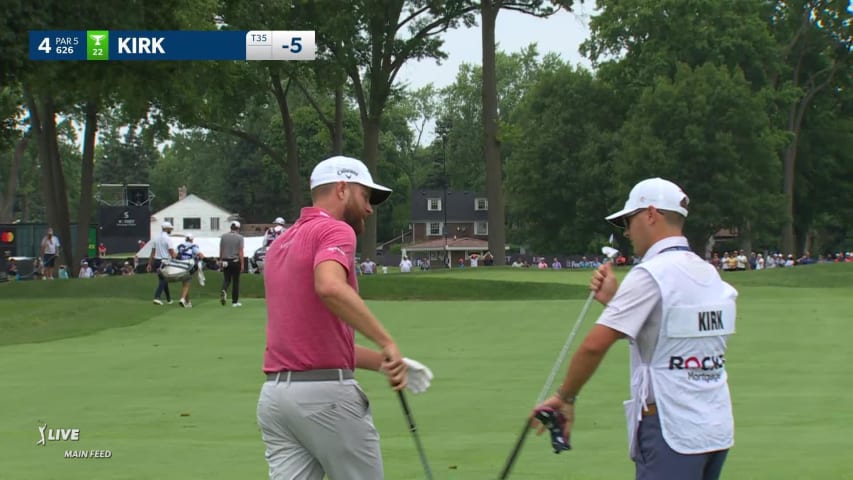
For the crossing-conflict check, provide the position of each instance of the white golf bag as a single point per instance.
(177, 270)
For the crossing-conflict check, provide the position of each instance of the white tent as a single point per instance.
(209, 246)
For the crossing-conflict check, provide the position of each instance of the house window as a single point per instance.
(481, 228)
(214, 224)
(192, 223)
(434, 229)
(434, 204)
(170, 220)
(481, 204)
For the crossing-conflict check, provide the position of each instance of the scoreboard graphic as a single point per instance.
(121, 45)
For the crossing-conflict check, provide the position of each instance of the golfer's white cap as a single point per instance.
(346, 169)
(278, 221)
(235, 224)
(657, 192)
(166, 225)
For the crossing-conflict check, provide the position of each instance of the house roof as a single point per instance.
(453, 244)
(194, 198)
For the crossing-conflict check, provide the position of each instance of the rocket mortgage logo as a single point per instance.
(48, 435)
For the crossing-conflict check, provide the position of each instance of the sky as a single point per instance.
(562, 33)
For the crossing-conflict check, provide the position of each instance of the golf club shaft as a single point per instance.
(549, 383)
(515, 451)
(565, 351)
(414, 430)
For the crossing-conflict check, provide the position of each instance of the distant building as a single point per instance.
(193, 214)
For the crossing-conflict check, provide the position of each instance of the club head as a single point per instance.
(609, 252)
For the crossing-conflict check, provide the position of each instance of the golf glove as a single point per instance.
(420, 376)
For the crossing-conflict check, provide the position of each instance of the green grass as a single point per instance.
(96, 355)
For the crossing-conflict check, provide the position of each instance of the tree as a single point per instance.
(817, 46)
(707, 131)
(489, 10)
(371, 41)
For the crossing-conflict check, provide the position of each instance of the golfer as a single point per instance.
(231, 264)
(315, 420)
(161, 249)
(677, 315)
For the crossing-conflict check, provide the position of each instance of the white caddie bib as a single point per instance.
(687, 369)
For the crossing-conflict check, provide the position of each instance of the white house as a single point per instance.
(192, 214)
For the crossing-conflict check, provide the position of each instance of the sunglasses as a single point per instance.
(625, 221)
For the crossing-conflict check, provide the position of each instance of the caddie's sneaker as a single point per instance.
(238, 304)
(157, 301)
(222, 296)
(169, 301)
(183, 303)
(189, 305)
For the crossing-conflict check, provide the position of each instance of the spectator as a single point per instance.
(50, 247)
(368, 267)
(556, 265)
(488, 259)
(274, 231)
(405, 265)
(543, 265)
(63, 273)
(85, 270)
(102, 250)
(474, 258)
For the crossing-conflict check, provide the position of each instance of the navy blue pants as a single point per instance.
(163, 286)
(657, 461)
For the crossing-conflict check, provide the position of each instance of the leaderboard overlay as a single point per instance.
(116, 45)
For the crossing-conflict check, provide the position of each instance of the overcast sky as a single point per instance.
(562, 33)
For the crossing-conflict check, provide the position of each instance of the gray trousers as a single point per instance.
(313, 429)
(657, 461)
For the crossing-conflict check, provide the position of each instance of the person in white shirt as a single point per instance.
(85, 270)
(50, 246)
(405, 265)
(474, 259)
(677, 314)
(161, 249)
(368, 267)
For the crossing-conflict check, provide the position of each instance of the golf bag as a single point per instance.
(177, 270)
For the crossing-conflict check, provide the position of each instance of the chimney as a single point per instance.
(182, 192)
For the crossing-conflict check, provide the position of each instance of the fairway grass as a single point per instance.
(172, 392)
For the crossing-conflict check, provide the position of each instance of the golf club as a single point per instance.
(609, 252)
(414, 430)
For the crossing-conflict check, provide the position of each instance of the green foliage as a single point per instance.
(707, 131)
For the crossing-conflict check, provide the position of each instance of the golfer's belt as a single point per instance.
(323, 375)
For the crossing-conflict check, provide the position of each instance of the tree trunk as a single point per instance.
(338, 134)
(87, 180)
(294, 181)
(491, 142)
(7, 205)
(371, 156)
(62, 223)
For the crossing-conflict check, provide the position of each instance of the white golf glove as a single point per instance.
(420, 376)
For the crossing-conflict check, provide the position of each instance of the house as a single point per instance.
(193, 214)
(463, 215)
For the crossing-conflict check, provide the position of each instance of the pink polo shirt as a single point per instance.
(302, 334)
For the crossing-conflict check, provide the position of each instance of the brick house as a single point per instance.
(462, 215)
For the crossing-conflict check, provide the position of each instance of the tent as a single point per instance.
(209, 246)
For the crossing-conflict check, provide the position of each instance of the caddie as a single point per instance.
(677, 314)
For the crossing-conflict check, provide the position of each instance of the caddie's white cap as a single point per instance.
(278, 221)
(235, 224)
(190, 237)
(165, 225)
(657, 192)
(346, 169)
(278, 229)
